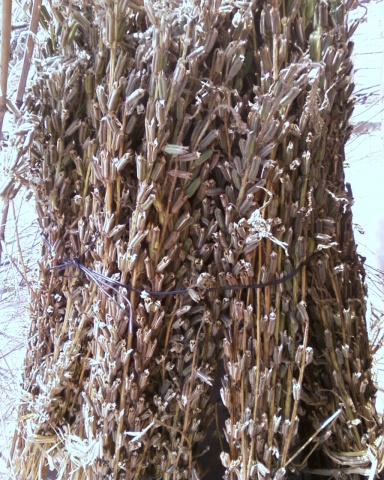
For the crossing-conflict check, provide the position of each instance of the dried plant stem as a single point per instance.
(168, 333)
(6, 24)
(123, 400)
(339, 299)
(324, 425)
(342, 387)
(191, 384)
(258, 361)
(28, 51)
(288, 439)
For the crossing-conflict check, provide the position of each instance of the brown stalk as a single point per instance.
(6, 25)
(288, 439)
(258, 356)
(28, 54)
(324, 425)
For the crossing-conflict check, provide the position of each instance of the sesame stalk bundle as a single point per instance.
(199, 277)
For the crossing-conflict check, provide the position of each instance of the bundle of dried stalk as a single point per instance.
(187, 164)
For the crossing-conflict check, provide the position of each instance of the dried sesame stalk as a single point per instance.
(193, 153)
(6, 15)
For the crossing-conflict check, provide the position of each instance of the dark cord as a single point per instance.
(98, 277)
